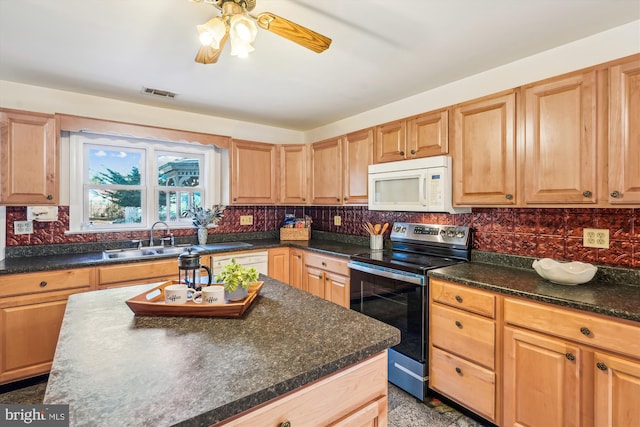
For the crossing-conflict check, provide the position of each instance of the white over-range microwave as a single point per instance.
(418, 185)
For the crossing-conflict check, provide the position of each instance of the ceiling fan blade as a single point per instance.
(210, 55)
(294, 32)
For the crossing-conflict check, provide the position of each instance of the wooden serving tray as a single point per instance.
(151, 303)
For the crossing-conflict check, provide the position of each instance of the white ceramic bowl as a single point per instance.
(564, 273)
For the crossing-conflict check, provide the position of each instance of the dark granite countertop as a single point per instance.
(114, 368)
(64, 261)
(598, 296)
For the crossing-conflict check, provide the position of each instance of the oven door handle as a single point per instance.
(416, 279)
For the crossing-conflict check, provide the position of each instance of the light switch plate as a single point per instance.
(337, 220)
(23, 227)
(595, 238)
(246, 219)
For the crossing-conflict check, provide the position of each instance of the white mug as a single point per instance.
(178, 294)
(213, 294)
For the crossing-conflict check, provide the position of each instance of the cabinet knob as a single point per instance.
(587, 194)
(235, 199)
(304, 199)
(458, 324)
(413, 151)
(602, 366)
(615, 194)
(585, 331)
(508, 196)
(49, 197)
(402, 153)
(285, 424)
(337, 199)
(459, 371)
(346, 198)
(43, 284)
(324, 264)
(570, 356)
(459, 298)
(320, 277)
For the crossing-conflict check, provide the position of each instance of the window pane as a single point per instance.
(178, 171)
(119, 167)
(115, 206)
(171, 204)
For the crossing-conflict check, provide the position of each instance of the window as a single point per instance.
(123, 183)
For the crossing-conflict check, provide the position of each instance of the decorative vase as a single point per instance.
(203, 233)
(239, 294)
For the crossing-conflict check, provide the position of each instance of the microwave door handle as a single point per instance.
(423, 193)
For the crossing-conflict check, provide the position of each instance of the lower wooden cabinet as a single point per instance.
(353, 397)
(279, 264)
(327, 277)
(616, 390)
(32, 306)
(296, 267)
(111, 276)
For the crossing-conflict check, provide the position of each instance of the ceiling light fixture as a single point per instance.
(236, 24)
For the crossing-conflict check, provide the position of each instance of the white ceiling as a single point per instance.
(382, 51)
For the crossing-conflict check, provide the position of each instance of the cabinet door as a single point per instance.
(279, 264)
(136, 273)
(542, 378)
(358, 155)
(624, 133)
(391, 141)
(294, 185)
(296, 265)
(28, 338)
(314, 281)
(484, 158)
(428, 135)
(253, 173)
(617, 391)
(326, 172)
(336, 289)
(29, 159)
(560, 140)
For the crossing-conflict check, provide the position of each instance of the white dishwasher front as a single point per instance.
(259, 260)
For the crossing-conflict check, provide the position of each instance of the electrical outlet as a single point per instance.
(337, 220)
(246, 219)
(23, 227)
(595, 238)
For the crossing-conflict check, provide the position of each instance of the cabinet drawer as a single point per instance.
(463, 297)
(465, 382)
(333, 400)
(467, 335)
(327, 263)
(137, 272)
(616, 335)
(29, 283)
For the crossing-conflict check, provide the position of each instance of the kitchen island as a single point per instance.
(115, 368)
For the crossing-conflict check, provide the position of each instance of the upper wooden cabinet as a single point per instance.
(420, 136)
(326, 172)
(294, 183)
(253, 173)
(29, 159)
(560, 140)
(484, 151)
(358, 155)
(624, 133)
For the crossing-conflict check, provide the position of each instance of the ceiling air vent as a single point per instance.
(158, 92)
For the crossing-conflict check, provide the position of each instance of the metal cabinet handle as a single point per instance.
(587, 194)
(570, 356)
(49, 197)
(285, 424)
(337, 199)
(508, 196)
(602, 366)
(43, 284)
(459, 298)
(459, 371)
(346, 198)
(413, 151)
(324, 264)
(320, 277)
(458, 324)
(615, 194)
(304, 199)
(235, 199)
(402, 153)
(585, 331)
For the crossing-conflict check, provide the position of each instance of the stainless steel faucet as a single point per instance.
(152, 228)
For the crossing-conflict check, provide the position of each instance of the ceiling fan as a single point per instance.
(238, 25)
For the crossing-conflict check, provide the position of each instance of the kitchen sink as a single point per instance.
(144, 252)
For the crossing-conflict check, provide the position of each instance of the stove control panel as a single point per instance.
(435, 233)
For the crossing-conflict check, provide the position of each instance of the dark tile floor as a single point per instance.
(404, 409)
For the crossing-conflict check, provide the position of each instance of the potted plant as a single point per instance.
(236, 280)
(204, 219)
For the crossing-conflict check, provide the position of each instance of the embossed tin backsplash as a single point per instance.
(553, 233)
